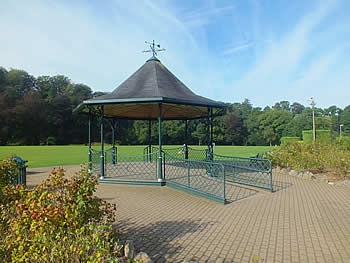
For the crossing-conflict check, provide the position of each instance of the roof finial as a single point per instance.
(154, 48)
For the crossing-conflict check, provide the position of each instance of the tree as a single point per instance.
(323, 122)
(297, 108)
(252, 133)
(78, 93)
(20, 82)
(5, 117)
(300, 122)
(282, 105)
(246, 109)
(285, 105)
(273, 123)
(3, 79)
(29, 117)
(233, 129)
(50, 87)
(174, 132)
(219, 130)
(200, 133)
(345, 120)
(60, 119)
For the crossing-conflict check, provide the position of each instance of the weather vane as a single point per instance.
(154, 48)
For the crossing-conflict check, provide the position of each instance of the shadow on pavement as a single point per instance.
(280, 185)
(158, 239)
(236, 192)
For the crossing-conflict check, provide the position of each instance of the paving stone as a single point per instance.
(305, 221)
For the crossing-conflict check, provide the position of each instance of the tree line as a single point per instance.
(38, 111)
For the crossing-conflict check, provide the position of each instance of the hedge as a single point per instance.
(289, 139)
(322, 136)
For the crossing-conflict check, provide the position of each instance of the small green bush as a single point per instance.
(8, 171)
(289, 139)
(343, 142)
(308, 136)
(322, 136)
(58, 221)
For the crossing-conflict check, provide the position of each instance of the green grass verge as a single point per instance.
(42, 156)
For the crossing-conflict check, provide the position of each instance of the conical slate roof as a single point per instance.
(139, 97)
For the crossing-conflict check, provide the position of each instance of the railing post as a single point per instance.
(102, 162)
(224, 170)
(160, 177)
(113, 142)
(89, 150)
(149, 153)
(188, 174)
(22, 171)
(113, 155)
(149, 158)
(270, 168)
(164, 164)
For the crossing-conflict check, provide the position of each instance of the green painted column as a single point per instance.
(90, 153)
(209, 135)
(211, 131)
(186, 140)
(149, 158)
(160, 175)
(113, 142)
(102, 163)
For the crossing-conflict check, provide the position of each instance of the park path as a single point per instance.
(303, 221)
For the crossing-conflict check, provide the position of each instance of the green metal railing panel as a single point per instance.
(179, 152)
(18, 175)
(206, 179)
(126, 167)
(197, 154)
(95, 160)
(203, 173)
(249, 171)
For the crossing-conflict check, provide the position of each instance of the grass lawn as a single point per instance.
(42, 156)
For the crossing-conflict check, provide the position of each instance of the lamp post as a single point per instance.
(312, 103)
(340, 129)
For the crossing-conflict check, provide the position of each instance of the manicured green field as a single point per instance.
(42, 156)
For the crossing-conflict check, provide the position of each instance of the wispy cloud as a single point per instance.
(58, 38)
(238, 48)
(274, 73)
(205, 15)
(225, 51)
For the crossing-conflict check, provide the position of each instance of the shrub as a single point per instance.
(8, 171)
(308, 136)
(343, 142)
(316, 156)
(58, 221)
(289, 139)
(322, 136)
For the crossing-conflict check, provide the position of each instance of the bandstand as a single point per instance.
(153, 93)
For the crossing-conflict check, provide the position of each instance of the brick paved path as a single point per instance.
(304, 221)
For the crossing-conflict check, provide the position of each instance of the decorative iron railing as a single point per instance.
(125, 167)
(130, 167)
(198, 154)
(206, 179)
(95, 162)
(181, 152)
(16, 174)
(203, 173)
(249, 171)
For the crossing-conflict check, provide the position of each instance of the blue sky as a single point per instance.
(263, 50)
